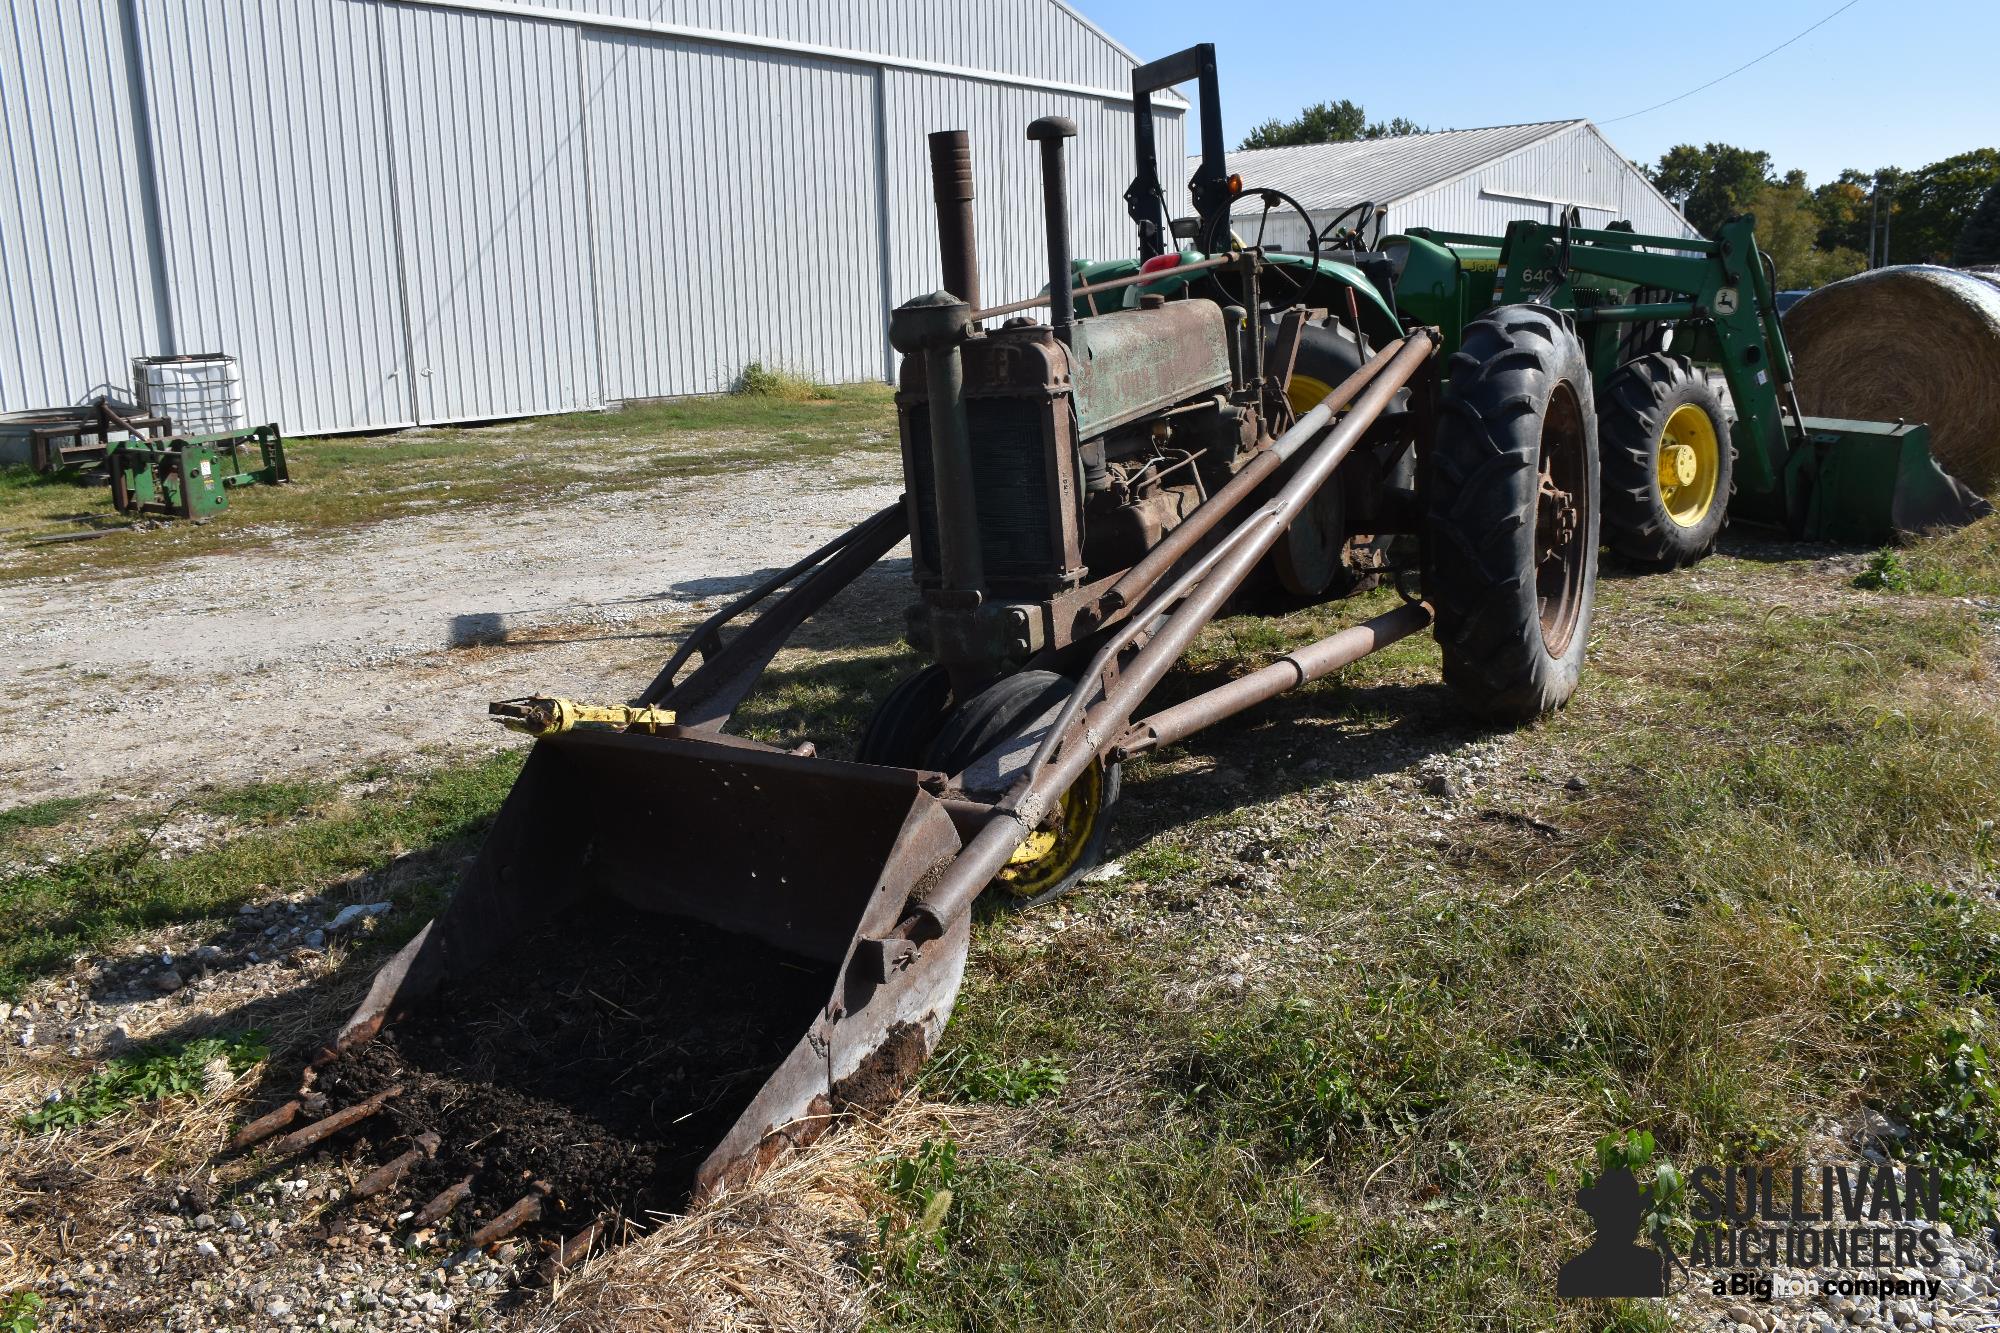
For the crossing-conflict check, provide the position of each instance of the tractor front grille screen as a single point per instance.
(1018, 535)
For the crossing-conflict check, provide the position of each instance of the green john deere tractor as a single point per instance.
(1662, 320)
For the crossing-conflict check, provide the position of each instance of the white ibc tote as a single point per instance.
(202, 394)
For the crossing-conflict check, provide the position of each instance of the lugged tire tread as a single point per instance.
(1481, 497)
(1635, 403)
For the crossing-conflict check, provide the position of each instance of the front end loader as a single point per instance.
(745, 942)
(1658, 314)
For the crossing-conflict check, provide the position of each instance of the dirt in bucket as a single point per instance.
(604, 1055)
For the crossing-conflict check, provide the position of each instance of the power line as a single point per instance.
(1734, 72)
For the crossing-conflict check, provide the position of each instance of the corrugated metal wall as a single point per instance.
(700, 271)
(486, 119)
(1035, 39)
(75, 275)
(1013, 258)
(432, 210)
(277, 215)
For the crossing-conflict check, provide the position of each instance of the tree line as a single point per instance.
(1328, 122)
(1945, 213)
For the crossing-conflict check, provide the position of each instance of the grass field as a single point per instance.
(345, 482)
(1369, 984)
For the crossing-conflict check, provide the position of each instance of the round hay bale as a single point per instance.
(1915, 343)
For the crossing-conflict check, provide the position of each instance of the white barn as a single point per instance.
(404, 211)
(1461, 180)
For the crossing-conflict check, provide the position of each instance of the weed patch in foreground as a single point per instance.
(183, 1069)
(42, 814)
(1960, 563)
(20, 1312)
(94, 899)
(964, 1075)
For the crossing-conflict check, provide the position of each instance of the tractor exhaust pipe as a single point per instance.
(1049, 132)
(951, 190)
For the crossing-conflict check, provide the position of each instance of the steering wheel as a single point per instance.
(1221, 230)
(1364, 207)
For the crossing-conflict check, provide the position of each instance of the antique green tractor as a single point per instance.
(1088, 483)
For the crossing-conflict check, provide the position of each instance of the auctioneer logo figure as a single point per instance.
(1615, 1264)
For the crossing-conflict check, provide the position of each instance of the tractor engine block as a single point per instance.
(1082, 456)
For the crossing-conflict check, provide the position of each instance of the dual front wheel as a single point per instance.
(920, 725)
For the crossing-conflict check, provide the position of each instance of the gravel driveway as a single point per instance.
(331, 651)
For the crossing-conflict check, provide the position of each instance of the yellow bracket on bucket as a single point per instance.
(544, 715)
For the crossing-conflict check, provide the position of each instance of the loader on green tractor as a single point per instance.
(1662, 319)
(746, 940)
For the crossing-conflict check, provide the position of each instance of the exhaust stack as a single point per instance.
(1049, 132)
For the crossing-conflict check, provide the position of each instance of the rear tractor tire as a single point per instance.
(1067, 846)
(1312, 560)
(1668, 463)
(1512, 515)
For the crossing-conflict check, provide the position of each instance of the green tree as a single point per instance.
(1788, 231)
(1979, 243)
(1845, 206)
(1934, 202)
(1328, 122)
(1396, 127)
(1713, 183)
(1322, 122)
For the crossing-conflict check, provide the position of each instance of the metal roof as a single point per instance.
(1334, 175)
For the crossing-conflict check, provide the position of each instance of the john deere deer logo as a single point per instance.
(1615, 1264)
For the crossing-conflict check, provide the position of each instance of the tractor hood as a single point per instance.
(1133, 363)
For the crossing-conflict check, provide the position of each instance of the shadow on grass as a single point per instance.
(1312, 738)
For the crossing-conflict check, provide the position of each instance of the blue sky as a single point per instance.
(1888, 82)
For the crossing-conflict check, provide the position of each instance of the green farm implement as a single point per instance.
(191, 476)
(1661, 320)
(1657, 314)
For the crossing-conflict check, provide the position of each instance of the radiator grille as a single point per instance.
(1019, 538)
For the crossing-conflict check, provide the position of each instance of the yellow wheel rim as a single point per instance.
(1305, 393)
(1690, 461)
(1053, 851)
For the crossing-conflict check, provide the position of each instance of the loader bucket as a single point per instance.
(1872, 482)
(667, 940)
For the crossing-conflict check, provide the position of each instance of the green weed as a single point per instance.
(269, 802)
(924, 1185)
(148, 1075)
(965, 1076)
(20, 1312)
(1887, 571)
(758, 380)
(41, 814)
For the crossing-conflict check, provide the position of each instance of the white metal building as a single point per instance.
(401, 211)
(1461, 180)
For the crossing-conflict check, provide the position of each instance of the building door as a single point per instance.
(487, 141)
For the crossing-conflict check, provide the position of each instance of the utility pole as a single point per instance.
(1874, 219)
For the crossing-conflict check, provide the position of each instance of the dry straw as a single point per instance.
(779, 1256)
(1916, 343)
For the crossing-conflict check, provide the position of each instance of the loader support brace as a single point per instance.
(706, 700)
